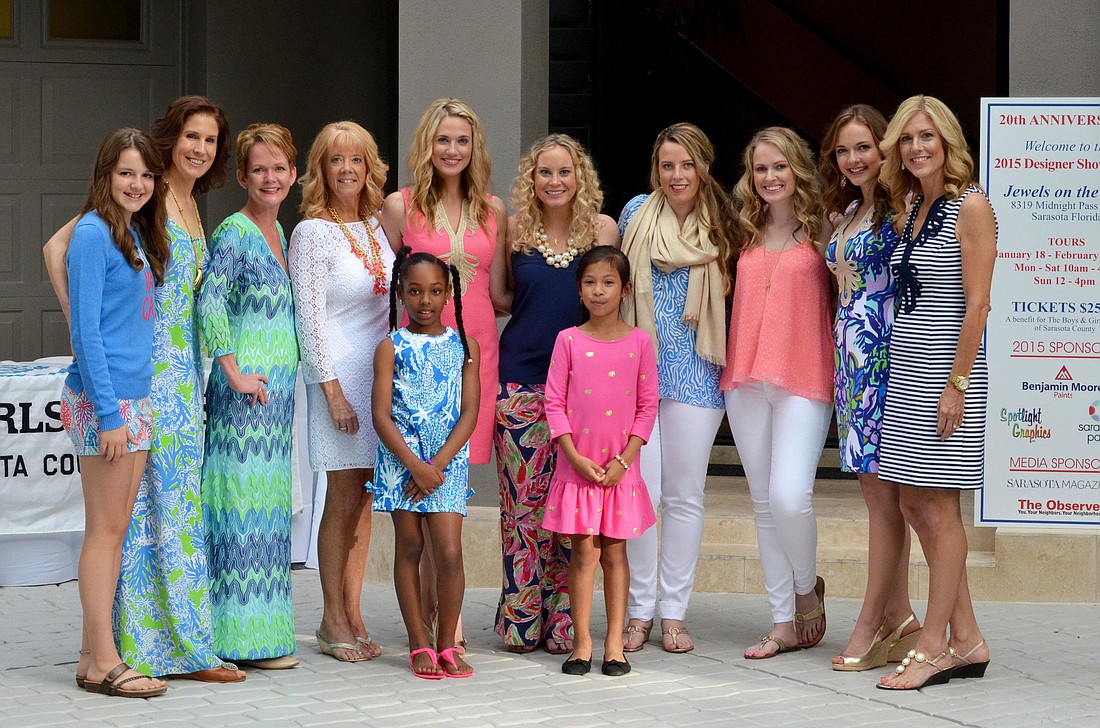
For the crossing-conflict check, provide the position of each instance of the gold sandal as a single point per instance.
(941, 677)
(899, 645)
(779, 643)
(633, 627)
(875, 656)
(815, 613)
(674, 633)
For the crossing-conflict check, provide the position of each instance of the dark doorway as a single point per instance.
(621, 71)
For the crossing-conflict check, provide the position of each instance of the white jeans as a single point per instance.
(674, 466)
(779, 438)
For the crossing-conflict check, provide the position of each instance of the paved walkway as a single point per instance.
(1044, 672)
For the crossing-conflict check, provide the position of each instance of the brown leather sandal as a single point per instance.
(112, 685)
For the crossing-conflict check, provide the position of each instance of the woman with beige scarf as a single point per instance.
(678, 240)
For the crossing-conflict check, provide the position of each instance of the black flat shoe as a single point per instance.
(615, 668)
(576, 666)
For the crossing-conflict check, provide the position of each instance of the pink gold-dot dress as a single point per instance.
(601, 393)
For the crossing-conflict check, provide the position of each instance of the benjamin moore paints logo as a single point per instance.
(1063, 386)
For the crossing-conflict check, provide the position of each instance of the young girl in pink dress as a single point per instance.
(601, 403)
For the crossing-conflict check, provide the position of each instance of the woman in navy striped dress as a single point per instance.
(933, 429)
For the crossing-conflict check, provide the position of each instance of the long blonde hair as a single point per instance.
(807, 200)
(958, 166)
(315, 193)
(586, 203)
(423, 190)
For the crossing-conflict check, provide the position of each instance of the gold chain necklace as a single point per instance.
(778, 253)
(199, 242)
(372, 259)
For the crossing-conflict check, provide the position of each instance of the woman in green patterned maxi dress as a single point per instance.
(247, 316)
(162, 605)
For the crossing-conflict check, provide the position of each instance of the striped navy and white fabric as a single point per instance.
(922, 351)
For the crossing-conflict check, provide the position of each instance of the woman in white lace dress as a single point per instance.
(340, 265)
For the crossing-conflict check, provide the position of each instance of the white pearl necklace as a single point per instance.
(555, 260)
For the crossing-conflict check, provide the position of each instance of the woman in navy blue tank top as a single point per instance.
(557, 200)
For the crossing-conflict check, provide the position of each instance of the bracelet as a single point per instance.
(621, 461)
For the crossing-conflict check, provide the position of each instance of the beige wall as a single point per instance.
(493, 55)
(1054, 48)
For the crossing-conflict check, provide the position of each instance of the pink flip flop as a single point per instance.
(447, 655)
(435, 661)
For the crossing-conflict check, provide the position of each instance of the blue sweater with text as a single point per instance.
(111, 313)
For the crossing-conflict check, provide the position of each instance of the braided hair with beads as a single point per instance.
(405, 260)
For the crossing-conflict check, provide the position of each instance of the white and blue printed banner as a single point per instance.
(39, 471)
(1040, 166)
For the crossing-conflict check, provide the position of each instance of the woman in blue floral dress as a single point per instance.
(859, 256)
(162, 607)
(162, 618)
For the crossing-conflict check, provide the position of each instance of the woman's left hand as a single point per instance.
(254, 385)
(949, 412)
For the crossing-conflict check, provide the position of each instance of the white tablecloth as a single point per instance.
(41, 503)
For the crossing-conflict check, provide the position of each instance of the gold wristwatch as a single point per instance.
(959, 382)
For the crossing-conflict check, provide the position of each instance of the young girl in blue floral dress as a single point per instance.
(424, 404)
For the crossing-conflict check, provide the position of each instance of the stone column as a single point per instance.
(1054, 48)
(493, 55)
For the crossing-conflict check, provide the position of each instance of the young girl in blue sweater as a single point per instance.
(117, 255)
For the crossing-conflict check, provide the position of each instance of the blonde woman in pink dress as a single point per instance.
(447, 211)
